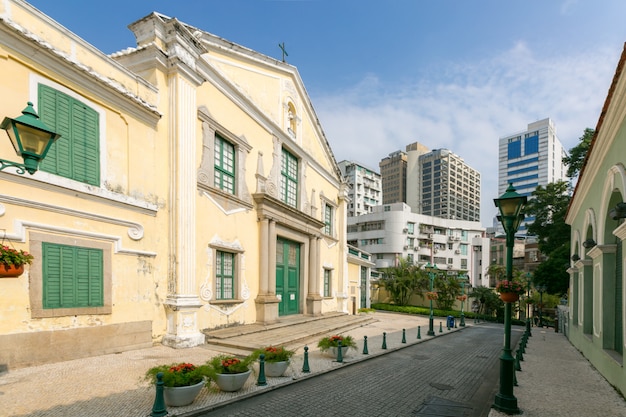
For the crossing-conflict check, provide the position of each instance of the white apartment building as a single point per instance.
(530, 158)
(365, 187)
(393, 231)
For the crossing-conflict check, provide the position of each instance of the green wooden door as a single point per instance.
(287, 276)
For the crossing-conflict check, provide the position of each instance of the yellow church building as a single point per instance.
(192, 188)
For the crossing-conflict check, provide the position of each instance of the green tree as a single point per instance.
(403, 280)
(447, 287)
(487, 300)
(496, 271)
(549, 207)
(577, 154)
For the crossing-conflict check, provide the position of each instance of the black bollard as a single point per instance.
(419, 332)
(305, 365)
(441, 327)
(159, 409)
(384, 346)
(261, 380)
(403, 336)
(365, 352)
(339, 352)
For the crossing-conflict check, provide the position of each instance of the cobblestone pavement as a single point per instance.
(401, 383)
(557, 381)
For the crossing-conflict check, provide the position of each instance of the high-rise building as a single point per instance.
(393, 175)
(531, 158)
(443, 185)
(365, 187)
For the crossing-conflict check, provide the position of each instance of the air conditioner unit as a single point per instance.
(458, 252)
(435, 251)
(416, 248)
(449, 266)
(405, 230)
(430, 235)
(406, 247)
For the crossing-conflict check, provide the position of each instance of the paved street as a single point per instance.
(448, 376)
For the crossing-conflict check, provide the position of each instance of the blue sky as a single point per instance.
(454, 74)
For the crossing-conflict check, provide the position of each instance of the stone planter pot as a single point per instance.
(232, 382)
(276, 368)
(179, 396)
(11, 271)
(509, 297)
(332, 351)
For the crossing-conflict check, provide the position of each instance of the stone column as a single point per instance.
(314, 299)
(266, 301)
(182, 301)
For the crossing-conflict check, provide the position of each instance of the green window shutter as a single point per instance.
(76, 154)
(72, 276)
(289, 178)
(224, 165)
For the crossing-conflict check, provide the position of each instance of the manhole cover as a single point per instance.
(441, 407)
(442, 387)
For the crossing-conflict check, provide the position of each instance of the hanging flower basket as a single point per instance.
(462, 297)
(432, 295)
(11, 271)
(12, 261)
(509, 297)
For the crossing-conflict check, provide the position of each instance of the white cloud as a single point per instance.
(467, 106)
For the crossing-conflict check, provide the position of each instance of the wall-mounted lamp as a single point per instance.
(575, 257)
(589, 243)
(618, 212)
(30, 138)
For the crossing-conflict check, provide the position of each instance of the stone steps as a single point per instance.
(292, 332)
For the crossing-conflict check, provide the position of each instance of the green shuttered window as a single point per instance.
(224, 165)
(72, 276)
(225, 276)
(289, 178)
(76, 154)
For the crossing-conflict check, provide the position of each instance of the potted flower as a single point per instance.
(432, 295)
(230, 373)
(182, 381)
(331, 343)
(510, 290)
(276, 359)
(12, 261)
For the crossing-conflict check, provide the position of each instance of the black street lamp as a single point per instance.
(528, 282)
(431, 269)
(30, 138)
(510, 205)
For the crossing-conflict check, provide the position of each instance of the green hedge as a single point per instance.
(424, 311)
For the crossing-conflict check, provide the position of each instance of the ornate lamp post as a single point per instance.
(463, 278)
(541, 289)
(528, 282)
(30, 138)
(431, 269)
(510, 205)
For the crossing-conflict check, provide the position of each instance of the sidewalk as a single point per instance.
(556, 380)
(112, 385)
